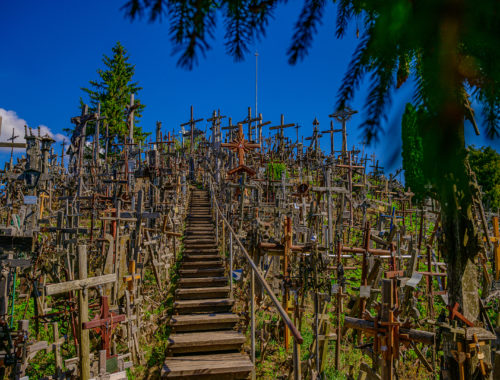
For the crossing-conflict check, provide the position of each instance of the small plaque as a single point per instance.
(364, 291)
(414, 280)
(30, 199)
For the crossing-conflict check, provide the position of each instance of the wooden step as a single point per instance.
(201, 257)
(216, 366)
(201, 251)
(199, 240)
(201, 264)
(202, 293)
(210, 341)
(203, 322)
(201, 245)
(199, 282)
(196, 233)
(204, 272)
(214, 305)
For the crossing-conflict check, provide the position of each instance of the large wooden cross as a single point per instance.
(81, 285)
(241, 146)
(343, 116)
(192, 124)
(332, 131)
(104, 324)
(249, 120)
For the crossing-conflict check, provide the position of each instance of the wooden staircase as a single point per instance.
(203, 343)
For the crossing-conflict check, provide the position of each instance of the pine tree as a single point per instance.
(113, 90)
(413, 151)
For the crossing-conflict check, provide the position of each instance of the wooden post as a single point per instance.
(56, 348)
(83, 314)
(230, 265)
(296, 361)
(252, 320)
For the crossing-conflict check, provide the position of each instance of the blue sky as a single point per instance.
(49, 50)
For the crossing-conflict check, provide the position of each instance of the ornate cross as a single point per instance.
(241, 146)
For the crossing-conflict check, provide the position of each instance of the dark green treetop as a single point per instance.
(113, 90)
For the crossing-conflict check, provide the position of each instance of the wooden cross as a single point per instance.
(249, 120)
(104, 324)
(281, 127)
(343, 116)
(215, 119)
(81, 285)
(241, 146)
(192, 130)
(315, 137)
(132, 278)
(496, 241)
(332, 131)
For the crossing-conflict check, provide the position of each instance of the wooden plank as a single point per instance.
(63, 287)
(204, 365)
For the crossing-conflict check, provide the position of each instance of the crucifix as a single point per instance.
(81, 285)
(104, 323)
(241, 146)
(342, 116)
(215, 119)
(332, 131)
(12, 139)
(281, 127)
(314, 146)
(78, 137)
(192, 129)
(249, 120)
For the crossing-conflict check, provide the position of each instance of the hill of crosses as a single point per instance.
(218, 253)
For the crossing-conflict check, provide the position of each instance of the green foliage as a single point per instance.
(485, 163)
(413, 151)
(113, 90)
(275, 170)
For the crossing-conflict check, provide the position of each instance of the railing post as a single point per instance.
(252, 319)
(230, 264)
(296, 360)
(217, 226)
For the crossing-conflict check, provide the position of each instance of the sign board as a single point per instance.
(30, 199)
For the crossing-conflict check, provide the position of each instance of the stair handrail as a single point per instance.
(293, 330)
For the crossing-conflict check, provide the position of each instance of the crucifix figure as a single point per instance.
(343, 116)
(314, 146)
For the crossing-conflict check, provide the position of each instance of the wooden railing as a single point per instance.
(255, 273)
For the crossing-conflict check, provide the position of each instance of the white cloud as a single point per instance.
(10, 121)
